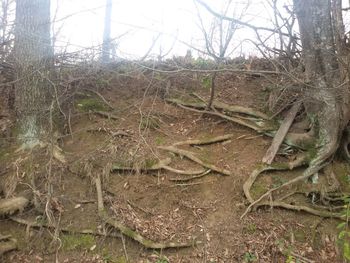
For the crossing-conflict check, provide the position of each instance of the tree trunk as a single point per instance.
(106, 45)
(326, 97)
(33, 56)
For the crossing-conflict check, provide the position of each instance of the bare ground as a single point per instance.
(208, 208)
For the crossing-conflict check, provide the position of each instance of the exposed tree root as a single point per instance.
(195, 159)
(129, 232)
(258, 124)
(261, 124)
(281, 134)
(162, 164)
(34, 224)
(222, 106)
(217, 139)
(157, 166)
(307, 209)
(12, 205)
(186, 179)
(299, 161)
(302, 160)
(107, 115)
(183, 172)
(7, 244)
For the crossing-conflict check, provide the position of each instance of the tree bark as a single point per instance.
(106, 45)
(32, 58)
(326, 98)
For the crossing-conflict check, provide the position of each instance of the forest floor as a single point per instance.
(208, 208)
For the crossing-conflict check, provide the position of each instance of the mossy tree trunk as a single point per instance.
(33, 55)
(326, 91)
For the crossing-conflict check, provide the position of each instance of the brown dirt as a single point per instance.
(208, 208)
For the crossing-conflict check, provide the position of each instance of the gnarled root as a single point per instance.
(195, 159)
(129, 232)
(7, 244)
(11, 205)
(162, 164)
(301, 160)
(259, 122)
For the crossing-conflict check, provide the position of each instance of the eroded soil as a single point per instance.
(208, 208)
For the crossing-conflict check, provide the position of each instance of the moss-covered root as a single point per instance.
(301, 160)
(11, 205)
(129, 232)
(7, 246)
(157, 165)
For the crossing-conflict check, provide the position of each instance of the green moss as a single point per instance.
(277, 181)
(73, 242)
(300, 236)
(207, 82)
(250, 229)
(159, 140)
(4, 154)
(90, 104)
(257, 190)
(342, 172)
(148, 163)
(206, 156)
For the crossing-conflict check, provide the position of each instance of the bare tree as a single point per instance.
(6, 26)
(32, 59)
(218, 38)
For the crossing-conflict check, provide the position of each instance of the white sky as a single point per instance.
(144, 20)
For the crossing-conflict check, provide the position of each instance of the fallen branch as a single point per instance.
(129, 232)
(195, 159)
(281, 134)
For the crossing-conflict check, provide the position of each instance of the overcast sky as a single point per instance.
(138, 22)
